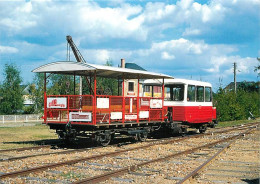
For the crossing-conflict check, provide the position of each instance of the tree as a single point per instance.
(257, 68)
(105, 86)
(11, 92)
(237, 106)
(61, 85)
(37, 90)
(108, 86)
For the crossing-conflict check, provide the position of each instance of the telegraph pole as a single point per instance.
(235, 79)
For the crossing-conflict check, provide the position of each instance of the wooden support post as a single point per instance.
(118, 87)
(123, 95)
(137, 104)
(162, 99)
(74, 84)
(45, 98)
(95, 98)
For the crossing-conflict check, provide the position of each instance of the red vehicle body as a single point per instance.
(187, 101)
(101, 117)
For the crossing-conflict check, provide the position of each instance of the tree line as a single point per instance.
(230, 106)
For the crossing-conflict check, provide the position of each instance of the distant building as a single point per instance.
(27, 93)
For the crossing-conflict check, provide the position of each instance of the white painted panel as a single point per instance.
(80, 116)
(102, 103)
(144, 102)
(144, 114)
(57, 102)
(155, 103)
(116, 115)
(193, 104)
(130, 116)
(131, 105)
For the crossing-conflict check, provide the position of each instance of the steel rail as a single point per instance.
(43, 154)
(103, 177)
(26, 148)
(201, 167)
(54, 165)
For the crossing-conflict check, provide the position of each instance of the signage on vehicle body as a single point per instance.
(144, 114)
(57, 102)
(116, 115)
(80, 116)
(102, 103)
(155, 103)
(130, 116)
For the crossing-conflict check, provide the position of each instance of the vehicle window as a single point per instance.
(130, 86)
(208, 97)
(200, 94)
(177, 92)
(167, 93)
(157, 91)
(147, 88)
(191, 93)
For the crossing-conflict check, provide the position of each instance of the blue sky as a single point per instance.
(183, 38)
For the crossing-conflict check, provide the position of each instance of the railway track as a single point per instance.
(238, 164)
(134, 167)
(113, 154)
(27, 148)
(11, 158)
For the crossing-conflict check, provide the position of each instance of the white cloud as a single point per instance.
(181, 46)
(82, 18)
(8, 50)
(153, 30)
(167, 56)
(88, 19)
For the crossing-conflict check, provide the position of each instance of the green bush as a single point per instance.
(237, 106)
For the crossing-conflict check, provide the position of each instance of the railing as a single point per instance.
(83, 109)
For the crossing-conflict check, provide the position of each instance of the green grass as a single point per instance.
(238, 122)
(25, 136)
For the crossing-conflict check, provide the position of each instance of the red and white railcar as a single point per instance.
(101, 117)
(188, 102)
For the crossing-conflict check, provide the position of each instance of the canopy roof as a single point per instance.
(86, 69)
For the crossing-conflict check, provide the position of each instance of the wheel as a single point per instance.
(104, 139)
(142, 136)
(213, 125)
(202, 129)
(184, 130)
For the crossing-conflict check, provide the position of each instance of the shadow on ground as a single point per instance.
(252, 181)
(81, 143)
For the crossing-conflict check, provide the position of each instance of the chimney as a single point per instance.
(122, 63)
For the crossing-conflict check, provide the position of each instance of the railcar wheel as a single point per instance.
(202, 129)
(142, 136)
(104, 139)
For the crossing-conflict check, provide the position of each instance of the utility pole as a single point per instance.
(235, 79)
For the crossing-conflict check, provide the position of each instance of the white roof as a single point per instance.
(86, 69)
(176, 81)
